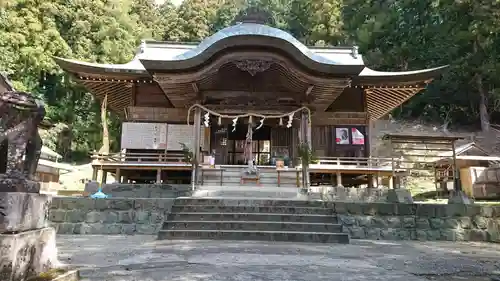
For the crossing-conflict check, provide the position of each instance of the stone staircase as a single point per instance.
(252, 219)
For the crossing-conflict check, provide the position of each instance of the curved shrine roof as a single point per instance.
(341, 65)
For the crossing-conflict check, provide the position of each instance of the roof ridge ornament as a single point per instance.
(355, 51)
(254, 15)
(253, 66)
(142, 47)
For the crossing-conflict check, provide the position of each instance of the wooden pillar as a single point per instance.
(249, 138)
(158, 176)
(118, 176)
(370, 181)
(305, 137)
(94, 173)
(196, 144)
(391, 182)
(104, 176)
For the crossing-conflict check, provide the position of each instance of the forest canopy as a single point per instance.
(394, 35)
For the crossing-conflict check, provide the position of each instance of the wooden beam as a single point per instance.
(309, 90)
(179, 115)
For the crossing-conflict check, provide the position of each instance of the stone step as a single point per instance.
(250, 209)
(317, 237)
(245, 201)
(245, 194)
(262, 183)
(196, 216)
(253, 225)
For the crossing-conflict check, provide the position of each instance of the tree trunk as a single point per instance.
(105, 132)
(483, 105)
(483, 97)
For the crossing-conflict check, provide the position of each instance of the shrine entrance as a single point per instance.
(228, 145)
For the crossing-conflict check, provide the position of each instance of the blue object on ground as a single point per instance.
(99, 194)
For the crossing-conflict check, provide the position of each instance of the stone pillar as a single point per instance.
(196, 144)
(339, 180)
(158, 176)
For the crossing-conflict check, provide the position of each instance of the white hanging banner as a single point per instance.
(357, 137)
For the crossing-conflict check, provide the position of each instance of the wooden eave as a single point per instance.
(385, 91)
(402, 138)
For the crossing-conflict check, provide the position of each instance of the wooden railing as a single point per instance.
(356, 161)
(139, 157)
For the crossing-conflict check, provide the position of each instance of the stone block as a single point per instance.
(66, 228)
(126, 216)
(23, 211)
(459, 198)
(9, 185)
(404, 209)
(379, 222)
(393, 222)
(421, 235)
(75, 216)
(147, 229)
(387, 209)
(451, 223)
(436, 223)
(388, 234)
(355, 208)
(427, 210)
(465, 222)
(399, 196)
(340, 207)
(128, 229)
(409, 222)
(450, 235)
(480, 222)
(142, 217)
(487, 211)
(373, 233)
(422, 223)
(27, 254)
(57, 215)
(357, 232)
(121, 203)
(81, 203)
(110, 217)
(433, 235)
(91, 187)
(156, 217)
(347, 220)
(364, 221)
(476, 235)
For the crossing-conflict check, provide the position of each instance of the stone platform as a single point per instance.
(27, 244)
(24, 211)
(140, 257)
(27, 253)
(326, 193)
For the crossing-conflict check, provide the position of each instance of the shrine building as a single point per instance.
(245, 68)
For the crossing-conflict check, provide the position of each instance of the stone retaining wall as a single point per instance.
(108, 216)
(387, 221)
(452, 222)
(123, 190)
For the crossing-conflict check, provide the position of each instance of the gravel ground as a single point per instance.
(127, 258)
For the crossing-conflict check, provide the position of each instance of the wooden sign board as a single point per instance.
(178, 134)
(144, 136)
